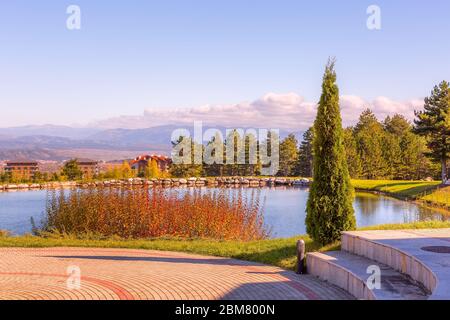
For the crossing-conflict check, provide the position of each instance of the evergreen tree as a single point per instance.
(268, 149)
(397, 125)
(434, 124)
(235, 153)
(369, 139)
(396, 130)
(392, 155)
(251, 155)
(329, 208)
(214, 151)
(71, 170)
(288, 156)
(305, 154)
(351, 150)
(414, 163)
(405, 151)
(189, 169)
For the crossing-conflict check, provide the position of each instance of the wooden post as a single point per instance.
(300, 257)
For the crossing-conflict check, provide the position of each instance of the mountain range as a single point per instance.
(51, 142)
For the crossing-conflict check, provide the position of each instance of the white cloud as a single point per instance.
(284, 111)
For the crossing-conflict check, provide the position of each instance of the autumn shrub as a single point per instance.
(144, 212)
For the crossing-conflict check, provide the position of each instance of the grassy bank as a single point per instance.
(439, 197)
(431, 193)
(401, 189)
(278, 252)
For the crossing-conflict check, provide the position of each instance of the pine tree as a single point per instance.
(434, 124)
(71, 170)
(329, 208)
(288, 156)
(305, 154)
(351, 150)
(369, 138)
(269, 150)
(251, 155)
(214, 156)
(189, 168)
(235, 153)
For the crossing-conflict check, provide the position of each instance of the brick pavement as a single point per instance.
(123, 274)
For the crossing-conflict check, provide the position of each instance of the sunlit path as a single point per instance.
(141, 274)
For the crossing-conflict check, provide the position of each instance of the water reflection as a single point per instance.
(374, 209)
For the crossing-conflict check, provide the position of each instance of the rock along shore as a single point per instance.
(164, 182)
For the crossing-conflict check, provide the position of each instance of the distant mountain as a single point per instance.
(60, 142)
(65, 154)
(48, 130)
(138, 138)
(160, 135)
(29, 142)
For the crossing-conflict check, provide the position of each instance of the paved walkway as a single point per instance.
(142, 274)
(422, 254)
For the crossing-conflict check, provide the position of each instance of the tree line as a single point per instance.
(71, 171)
(388, 149)
(395, 148)
(392, 148)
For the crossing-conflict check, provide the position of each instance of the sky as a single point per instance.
(143, 63)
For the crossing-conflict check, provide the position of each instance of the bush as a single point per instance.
(144, 212)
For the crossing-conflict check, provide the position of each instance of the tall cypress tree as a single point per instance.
(329, 208)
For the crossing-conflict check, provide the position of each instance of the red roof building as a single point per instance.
(140, 163)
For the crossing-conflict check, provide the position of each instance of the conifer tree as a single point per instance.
(305, 155)
(434, 124)
(329, 208)
(288, 156)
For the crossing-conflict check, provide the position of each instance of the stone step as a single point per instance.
(350, 272)
(423, 255)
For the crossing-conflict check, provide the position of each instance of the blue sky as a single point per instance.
(134, 55)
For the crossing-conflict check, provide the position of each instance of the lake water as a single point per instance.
(284, 210)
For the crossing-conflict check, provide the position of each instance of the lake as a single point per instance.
(284, 210)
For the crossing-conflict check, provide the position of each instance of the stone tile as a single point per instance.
(123, 274)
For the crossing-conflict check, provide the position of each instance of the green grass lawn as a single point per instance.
(440, 197)
(403, 189)
(278, 252)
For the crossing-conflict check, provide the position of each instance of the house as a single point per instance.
(140, 163)
(90, 168)
(22, 169)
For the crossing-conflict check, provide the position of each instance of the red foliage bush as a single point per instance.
(156, 212)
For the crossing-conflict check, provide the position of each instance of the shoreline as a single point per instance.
(164, 182)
